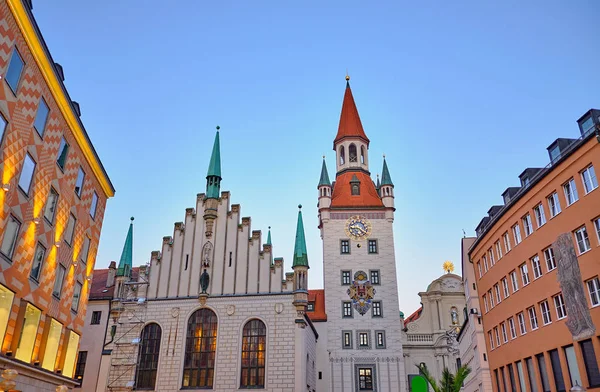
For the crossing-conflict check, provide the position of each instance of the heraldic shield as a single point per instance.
(361, 292)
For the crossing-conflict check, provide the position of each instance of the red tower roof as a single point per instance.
(350, 125)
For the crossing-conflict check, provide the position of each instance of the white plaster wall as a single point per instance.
(92, 341)
(322, 362)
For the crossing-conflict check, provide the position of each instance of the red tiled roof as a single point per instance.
(414, 316)
(350, 125)
(342, 195)
(99, 289)
(318, 298)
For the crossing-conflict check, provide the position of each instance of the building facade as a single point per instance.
(536, 260)
(52, 200)
(471, 338)
(429, 335)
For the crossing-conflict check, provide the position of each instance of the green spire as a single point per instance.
(324, 175)
(386, 179)
(269, 237)
(378, 185)
(213, 177)
(300, 254)
(125, 263)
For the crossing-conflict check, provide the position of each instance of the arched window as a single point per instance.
(352, 153)
(200, 348)
(254, 342)
(362, 154)
(342, 155)
(145, 377)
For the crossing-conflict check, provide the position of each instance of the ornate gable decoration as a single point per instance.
(361, 292)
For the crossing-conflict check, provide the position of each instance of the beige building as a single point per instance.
(429, 335)
(471, 339)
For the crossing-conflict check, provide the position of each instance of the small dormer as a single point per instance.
(589, 121)
(355, 186)
(528, 175)
(509, 193)
(482, 225)
(494, 210)
(558, 148)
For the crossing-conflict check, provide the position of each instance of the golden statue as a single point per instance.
(448, 266)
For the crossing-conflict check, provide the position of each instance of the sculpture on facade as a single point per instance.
(206, 254)
(204, 281)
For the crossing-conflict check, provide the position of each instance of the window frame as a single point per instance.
(540, 215)
(248, 336)
(491, 256)
(592, 178)
(56, 293)
(347, 305)
(64, 145)
(480, 270)
(592, 366)
(505, 287)
(537, 272)
(347, 340)
(514, 280)
(504, 332)
(2, 127)
(497, 292)
(31, 177)
(343, 276)
(379, 312)
(369, 248)
(84, 252)
(485, 302)
(593, 286)
(207, 321)
(37, 113)
(527, 225)
(94, 205)
(597, 228)
(76, 299)
(375, 273)
(79, 190)
(498, 250)
(380, 333)
(80, 365)
(491, 339)
(359, 339)
(585, 239)
(96, 320)
(18, 81)
(559, 305)
(497, 336)
(533, 321)
(146, 371)
(549, 258)
(41, 262)
(15, 240)
(72, 234)
(516, 229)
(56, 198)
(506, 238)
(570, 191)
(522, 323)
(344, 247)
(545, 311)
(512, 328)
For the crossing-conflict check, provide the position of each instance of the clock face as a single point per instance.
(358, 228)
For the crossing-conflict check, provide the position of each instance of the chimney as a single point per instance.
(112, 272)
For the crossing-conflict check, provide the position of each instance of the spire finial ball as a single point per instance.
(347, 77)
(323, 156)
(132, 218)
(218, 127)
(383, 156)
(300, 206)
(269, 227)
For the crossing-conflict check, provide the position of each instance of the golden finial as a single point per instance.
(448, 266)
(347, 77)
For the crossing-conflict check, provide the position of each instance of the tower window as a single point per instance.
(345, 247)
(342, 155)
(362, 154)
(346, 309)
(365, 379)
(372, 246)
(346, 278)
(352, 153)
(355, 190)
(346, 339)
(377, 309)
(374, 276)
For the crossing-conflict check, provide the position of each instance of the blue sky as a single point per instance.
(461, 96)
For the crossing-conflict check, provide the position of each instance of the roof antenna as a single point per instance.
(464, 234)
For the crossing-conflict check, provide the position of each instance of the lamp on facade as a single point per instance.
(8, 382)
(57, 244)
(6, 187)
(36, 221)
(62, 388)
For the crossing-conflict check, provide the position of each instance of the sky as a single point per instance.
(461, 96)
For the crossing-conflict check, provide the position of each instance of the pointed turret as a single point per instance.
(324, 180)
(300, 267)
(213, 176)
(350, 124)
(300, 255)
(269, 237)
(386, 189)
(386, 179)
(378, 184)
(324, 187)
(125, 264)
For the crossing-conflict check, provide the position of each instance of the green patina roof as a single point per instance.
(378, 185)
(126, 261)
(300, 254)
(269, 237)
(324, 175)
(386, 179)
(214, 167)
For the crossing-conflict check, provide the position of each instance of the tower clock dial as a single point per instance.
(358, 228)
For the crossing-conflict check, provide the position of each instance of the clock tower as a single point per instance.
(363, 334)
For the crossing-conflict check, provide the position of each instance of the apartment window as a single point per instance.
(559, 304)
(377, 309)
(485, 303)
(497, 335)
(536, 266)
(550, 261)
(591, 365)
(583, 241)
(504, 334)
(594, 290)
(527, 225)
(363, 339)
(532, 318)
(52, 343)
(41, 118)
(491, 340)
(485, 263)
(70, 230)
(498, 250)
(514, 281)
(479, 268)
(491, 256)
(540, 217)
(38, 261)
(545, 309)
(71, 354)
(365, 379)
(597, 226)
(572, 366)
(491, 297)
(79, 182)
(94, 205)
(521, 376)
(522, 326)
(96, 317)
(516, 233)
(589, 179)
(372, 246)
(506, 242)
(554, 205)
(11, 234)
(31, 320)
(531, 373)
(63, 151)
(85, 249)
(58, 281)
(511, 326)
(511, 376)
(50, 207)
(345, 246)
(346, 280)
(3, 125)
(543, 372)
(497, 291)
(380, 339)
(15, 69)
(505, 287)
(80, 366)
(26, 177)
(524, 274)
(570, 192)
(76, 297)
(374, 276)
(346, 339)
(346, 309)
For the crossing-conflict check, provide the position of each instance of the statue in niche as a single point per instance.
(207, 254)
(454, 315)
(204, 281)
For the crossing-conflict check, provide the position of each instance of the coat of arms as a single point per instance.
(361, 292)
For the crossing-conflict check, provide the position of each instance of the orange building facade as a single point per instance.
(540, 307)
(52, 197)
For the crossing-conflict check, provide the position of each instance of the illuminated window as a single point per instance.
(11, 233)
(94, 205)
(254, 340)
(63, 151)
(41, 118)
(15, 69)
(38, 262)
(50, 207)
(570, 192)
(76, 297)
(26, 176)
(6, 301)
(554, 205)
(200, 349)
(148, 353)
(71, 354)
(379, 339)
(58, 281)
(28, 334)
(79, 182)
(590, 182)
(346, 339)
(365, 379)
(363, 339)
(52, 344)
(70, 230)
